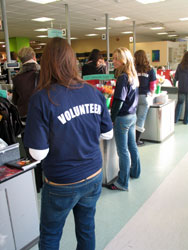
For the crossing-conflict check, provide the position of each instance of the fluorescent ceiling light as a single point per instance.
(162, 33)
(183, 19)
(42, 36)
(41, 29)
(2, 42)
(119, 18)
(172, 35)
(42, 1)
(101, 28)
(127, 32)
(42, 19)
(91, 35)
(74, 38)
(149, 1)
(42, 44)
(157, 28)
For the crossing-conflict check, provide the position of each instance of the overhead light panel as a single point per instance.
(183, 19)
(157, 28)
(119, 18)
(102, 28)
(91, 35)
(43, 1)
(41, 29)
(162, 33)
(127, 32)
(74, 38)
(43, 19)
(149, 1)
(172, 35)
(41, 36)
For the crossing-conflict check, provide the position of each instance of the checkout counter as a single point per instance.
(19, 219)
(159, 124)
(110, 160)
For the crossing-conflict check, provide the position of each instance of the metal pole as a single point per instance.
(68, 23)
(134, 37)
(107, 42)
(5, 26)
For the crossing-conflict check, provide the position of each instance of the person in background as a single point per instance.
(181, 76)
(24, 84)
(65, 120)
(13, 56)
(95, 64)
(123, 115)
(147, 82)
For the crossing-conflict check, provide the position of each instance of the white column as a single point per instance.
(134, 37)
(68, 23)
(107, 42)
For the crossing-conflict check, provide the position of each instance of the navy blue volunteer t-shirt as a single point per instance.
(68, 122)
(144, 80)
(128, 93)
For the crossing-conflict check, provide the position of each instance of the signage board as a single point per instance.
(99, 77)
(103, 36)
(54, 33)
(64, 32)
(131, 39)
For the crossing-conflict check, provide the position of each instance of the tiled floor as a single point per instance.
(116, 208)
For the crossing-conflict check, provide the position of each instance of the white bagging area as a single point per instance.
(159, 124)
(110, 160)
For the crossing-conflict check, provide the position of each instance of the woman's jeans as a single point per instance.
(144, 103)
(179, 106)
(58, 201)
(129, 160)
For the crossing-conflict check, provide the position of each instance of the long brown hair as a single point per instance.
(124, 56)
(184, 61)
(58, 65)
(141, 62)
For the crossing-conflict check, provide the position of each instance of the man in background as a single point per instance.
(24, 84)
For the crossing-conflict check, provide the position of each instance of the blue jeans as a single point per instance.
(58, 201)
(144, 103)
(129, 160)
(179, 106)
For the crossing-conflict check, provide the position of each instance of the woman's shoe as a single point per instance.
(114, 187)
(140, 143)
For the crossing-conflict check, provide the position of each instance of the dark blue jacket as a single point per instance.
(182, 76)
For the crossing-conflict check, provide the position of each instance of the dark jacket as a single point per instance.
(91, 69)
(182, 76)
(23, 86)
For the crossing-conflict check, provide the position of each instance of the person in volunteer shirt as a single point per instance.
(65, 121)
(123, 114)
(147, 80)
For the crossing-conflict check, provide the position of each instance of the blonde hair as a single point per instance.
(25, 54)
(124, 56)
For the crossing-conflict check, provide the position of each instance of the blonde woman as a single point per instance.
(123, 115)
